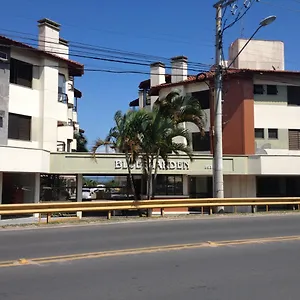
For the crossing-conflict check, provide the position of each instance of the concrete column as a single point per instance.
(79, 192)
(1, 189)
(185, 183)
(37, 190)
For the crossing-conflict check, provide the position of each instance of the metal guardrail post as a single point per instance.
(162, 212)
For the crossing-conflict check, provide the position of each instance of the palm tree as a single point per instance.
(182, 109)
(123, 137)
(157, 141)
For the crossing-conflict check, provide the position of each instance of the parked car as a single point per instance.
(86, 194)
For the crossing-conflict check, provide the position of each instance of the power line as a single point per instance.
(100, 58)
(80, 45)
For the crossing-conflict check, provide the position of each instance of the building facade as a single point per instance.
(261, 118)
(38, 110)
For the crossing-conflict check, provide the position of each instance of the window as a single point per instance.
(259, 133)
(258, 89)
(293, 95)
(19, 127)
(203, 97)
(61, 84)
(294, 139)
(2, 113)
(272, 90)
(169, 185)
(21, 73)
(199, 142)
(273, 134)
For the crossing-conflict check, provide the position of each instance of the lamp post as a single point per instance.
(218, 178)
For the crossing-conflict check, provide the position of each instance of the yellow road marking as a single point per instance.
(50, 259)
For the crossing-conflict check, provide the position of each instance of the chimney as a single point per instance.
(63, 48)
(157, 74)
(49, 39)
(49, 35)
(179, 68)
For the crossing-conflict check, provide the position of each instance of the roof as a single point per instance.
(210, 75)
(146, 83)
(75, 68)
(134, 103)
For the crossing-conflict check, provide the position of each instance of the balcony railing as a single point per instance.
(63, 98)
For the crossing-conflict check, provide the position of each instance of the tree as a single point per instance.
(157, 141)
(182, 109)
(89, 182)
(123, 137)
(81, 142)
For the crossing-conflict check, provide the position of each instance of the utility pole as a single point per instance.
(218, 180)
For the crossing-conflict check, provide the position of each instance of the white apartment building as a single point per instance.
(38, 110)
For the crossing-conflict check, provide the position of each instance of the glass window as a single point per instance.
(199, 142)
(258, 89)
(293, 95)
(259, 133)
(19, 127)
(272, 90)
(169, 185)
(21, 73)
(273, 133)
(61, 84)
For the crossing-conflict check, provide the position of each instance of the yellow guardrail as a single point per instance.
(61, 207)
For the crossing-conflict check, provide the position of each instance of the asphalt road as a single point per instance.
(243, 272)
(16, 244)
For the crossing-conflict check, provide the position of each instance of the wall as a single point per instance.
(13, 159)
(239, 187)
(259, 54)
(4, 96)
(50, 108)
(273, 112)
(84, 163)
(238, 117)
(281, 143)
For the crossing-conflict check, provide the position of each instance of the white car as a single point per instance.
(86, 194)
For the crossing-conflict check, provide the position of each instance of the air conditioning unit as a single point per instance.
(3, 56)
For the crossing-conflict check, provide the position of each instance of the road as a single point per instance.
(260, 267)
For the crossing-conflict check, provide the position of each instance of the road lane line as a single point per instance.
(156, 249)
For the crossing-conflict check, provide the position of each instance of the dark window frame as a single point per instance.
(201, 143)
(21, 73)
(19, 127)
(257, 132)
(293, 95)
(258, 89)
(166, 185)
(272, 89)
(273, 134)
(203, 97)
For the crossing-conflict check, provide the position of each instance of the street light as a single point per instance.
(218, 180)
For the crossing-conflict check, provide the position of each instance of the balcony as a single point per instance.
(63, 98)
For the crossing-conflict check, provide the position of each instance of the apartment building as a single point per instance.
(261, 120)
(38, 110)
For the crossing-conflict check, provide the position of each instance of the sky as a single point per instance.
(163, 28)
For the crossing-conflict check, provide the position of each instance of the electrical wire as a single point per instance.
(75, 45)
(239, 16)
(92, 57)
